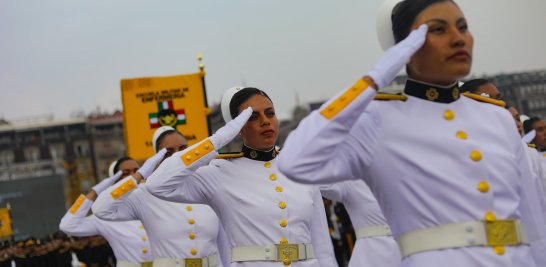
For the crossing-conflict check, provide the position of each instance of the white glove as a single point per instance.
(225, 134)
(149, 166)
(394, 59)
(528, 138)
(107, 183)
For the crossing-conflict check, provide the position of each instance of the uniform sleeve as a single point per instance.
(336, 192)
(322, 243)
(75, 221)
(185, 176)
(325, 149)
(119, 202)
(530, 209)
(223, 247)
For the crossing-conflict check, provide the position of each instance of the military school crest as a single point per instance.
(167, 116)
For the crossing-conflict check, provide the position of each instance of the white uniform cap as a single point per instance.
(111, 168)
(158, 132)
(384, 24)
(226, 100)
(523, 118)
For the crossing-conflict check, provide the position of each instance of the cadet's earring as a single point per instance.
(240, 134)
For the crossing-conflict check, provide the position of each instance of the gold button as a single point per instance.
(197, 152)
(142, 227)
(499, 249)
(461, 135)
(192, 236)
(331, 107)
(449, 115)
(490, 217)
(191, 221)
(115, 193)
(342, 97)
(144, 250)
(130, 184)
(122, 188)
(206, 146)
(73, 210)
(188, 158)
(284, 241)
(483, 187)
(267, 165)
(283, 223)
(77, 204)
(188, 208)
(287, 262)
(282, 205)
(476, 155)
(355, 87)
(193, 251)
(144, 238)
(273, 177)
(279, 189)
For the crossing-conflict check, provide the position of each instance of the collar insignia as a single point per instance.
(260, 155)
(432, 92)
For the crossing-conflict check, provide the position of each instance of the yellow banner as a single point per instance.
(5, 223)
(149, 103)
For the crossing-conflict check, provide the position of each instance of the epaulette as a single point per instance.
(383, 96)
(485, 99)
(229, 155)
(532, 145)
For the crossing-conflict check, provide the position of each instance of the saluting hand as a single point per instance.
(225, 134)
(150, 164)
(106, 183)
(396, 57)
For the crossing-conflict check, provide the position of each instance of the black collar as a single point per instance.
(431, 92)
(541, 149)
(260, 155)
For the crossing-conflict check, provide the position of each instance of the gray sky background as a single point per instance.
(61, 56)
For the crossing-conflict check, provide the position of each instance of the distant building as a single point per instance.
(108, 143)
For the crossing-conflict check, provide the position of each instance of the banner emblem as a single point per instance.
(167, 116)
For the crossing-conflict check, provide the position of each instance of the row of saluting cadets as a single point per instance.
(436, 175)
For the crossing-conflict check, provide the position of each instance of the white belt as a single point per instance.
(133, 264)
(476, 233)
(209, 261)
(380, 230)
(276, 252)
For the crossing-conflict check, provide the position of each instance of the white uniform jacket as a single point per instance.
(127, 239)
(256, 204)
(364, 212)
(424, 162)
(176, 230)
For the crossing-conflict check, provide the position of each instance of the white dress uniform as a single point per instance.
(375, 245)
(433, 166)
(258, 206)
(127, 239)
(539, 177)
(180, 234)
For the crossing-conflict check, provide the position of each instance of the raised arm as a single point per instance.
(322, 243)
(118, 202)
(322, 149)
(185, 176)
(335, 192)
(75, 221)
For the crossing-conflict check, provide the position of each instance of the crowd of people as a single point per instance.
(437, 175)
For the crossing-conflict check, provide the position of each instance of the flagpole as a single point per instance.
(201, 67)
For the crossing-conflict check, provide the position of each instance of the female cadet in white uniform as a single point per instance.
(267, 217)
(375, 245)
(441, 175)
(126, 238)
(180, 234)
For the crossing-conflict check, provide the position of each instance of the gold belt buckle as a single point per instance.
(288, 253)
(501, 232)
(194, 262)
(147, 264)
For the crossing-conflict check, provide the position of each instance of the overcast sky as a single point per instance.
(61, 56)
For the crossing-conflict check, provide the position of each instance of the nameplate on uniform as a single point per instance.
(345, 99)
(77, 205)
(197, 152)
(122, 189)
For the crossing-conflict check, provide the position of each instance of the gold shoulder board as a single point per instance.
(485, 99)
(531, 145)
(230, 155)
(381, 96)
